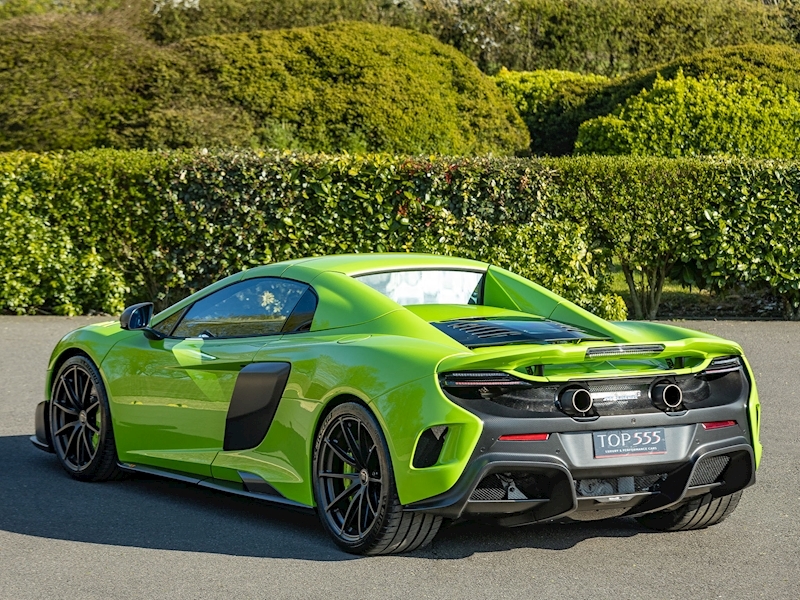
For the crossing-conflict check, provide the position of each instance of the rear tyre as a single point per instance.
(355, 491)
(697, 513)
(80, 422)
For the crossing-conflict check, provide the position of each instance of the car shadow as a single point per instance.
(39, 499)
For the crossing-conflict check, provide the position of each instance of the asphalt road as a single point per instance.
(149, 538)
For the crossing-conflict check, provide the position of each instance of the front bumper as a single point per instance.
(561, 477)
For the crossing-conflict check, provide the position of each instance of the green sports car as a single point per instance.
(390, 392)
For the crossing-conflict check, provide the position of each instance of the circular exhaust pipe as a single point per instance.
(576, 402)
(666, 396)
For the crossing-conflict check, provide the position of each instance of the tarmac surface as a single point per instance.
(150, 538)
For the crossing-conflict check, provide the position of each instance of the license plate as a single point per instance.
(629, 442)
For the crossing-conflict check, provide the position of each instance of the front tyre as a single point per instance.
(355, 491)
(80, 422)
(697, 513)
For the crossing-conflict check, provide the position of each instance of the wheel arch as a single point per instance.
(60, 360)
(338, 400)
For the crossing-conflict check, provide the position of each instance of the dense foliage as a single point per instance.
(359, 87)
(69, 83)
(611, 37)
(697, 117)
(97, 229)
(533, 92)
(94, 230)
(592, 36)
(554, 126)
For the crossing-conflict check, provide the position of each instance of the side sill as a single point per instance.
(231, 487)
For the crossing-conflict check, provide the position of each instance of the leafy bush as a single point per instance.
(40, 263)
(175, 22)
(747, 232)
(596, 36)
(691, 117)
(554, 131)
(78, 83)
(533, 93)
(166, 224)
(69, 83)
(360, 87)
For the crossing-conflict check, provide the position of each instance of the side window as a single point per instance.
(249, 308)
(167, 325)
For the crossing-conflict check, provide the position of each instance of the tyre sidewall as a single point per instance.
(90, 473)
(388, 490)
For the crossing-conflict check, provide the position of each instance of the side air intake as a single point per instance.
(429, 447)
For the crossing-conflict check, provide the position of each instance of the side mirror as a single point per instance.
(137, 316)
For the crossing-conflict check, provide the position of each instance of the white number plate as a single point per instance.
(629, 442)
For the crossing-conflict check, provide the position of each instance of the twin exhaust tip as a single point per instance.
(577, 402)
(666, 396)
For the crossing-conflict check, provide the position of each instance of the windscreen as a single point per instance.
(427, 286)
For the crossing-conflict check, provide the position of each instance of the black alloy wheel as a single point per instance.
(355, 491)
(80, 422)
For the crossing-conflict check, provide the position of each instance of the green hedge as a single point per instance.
(612, 37)
(593, 36)
(554, 126)
(699, 117)
(95, 230)
(533, 94)
(359, 87)
(110, 227)
(69, 82)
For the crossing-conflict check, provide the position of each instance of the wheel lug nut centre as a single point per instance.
(82, 416)
(364, 476)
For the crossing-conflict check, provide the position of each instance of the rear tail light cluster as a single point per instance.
(722, 365)
(722, 382)
(479, 379)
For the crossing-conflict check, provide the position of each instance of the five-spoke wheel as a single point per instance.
(80, 423)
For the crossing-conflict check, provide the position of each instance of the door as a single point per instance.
(170, 397)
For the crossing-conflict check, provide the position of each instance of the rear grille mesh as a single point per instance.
(588, 488)
(490, 488)
(709, 469)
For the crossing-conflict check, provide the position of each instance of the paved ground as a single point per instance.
(147, 538)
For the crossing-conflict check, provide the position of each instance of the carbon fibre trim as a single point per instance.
(256, 395)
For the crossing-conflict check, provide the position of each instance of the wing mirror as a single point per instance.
(137, 317)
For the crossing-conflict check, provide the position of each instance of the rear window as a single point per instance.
(428, 286)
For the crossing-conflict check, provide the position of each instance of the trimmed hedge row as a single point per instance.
(96, 230)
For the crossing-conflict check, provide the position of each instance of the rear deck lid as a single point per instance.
(502, 331)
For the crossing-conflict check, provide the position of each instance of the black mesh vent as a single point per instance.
(709, 469)
(490, 488)
(587, 488)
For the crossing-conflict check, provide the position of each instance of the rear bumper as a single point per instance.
(561, 477)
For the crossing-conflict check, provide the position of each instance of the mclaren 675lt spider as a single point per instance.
(392, 392)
